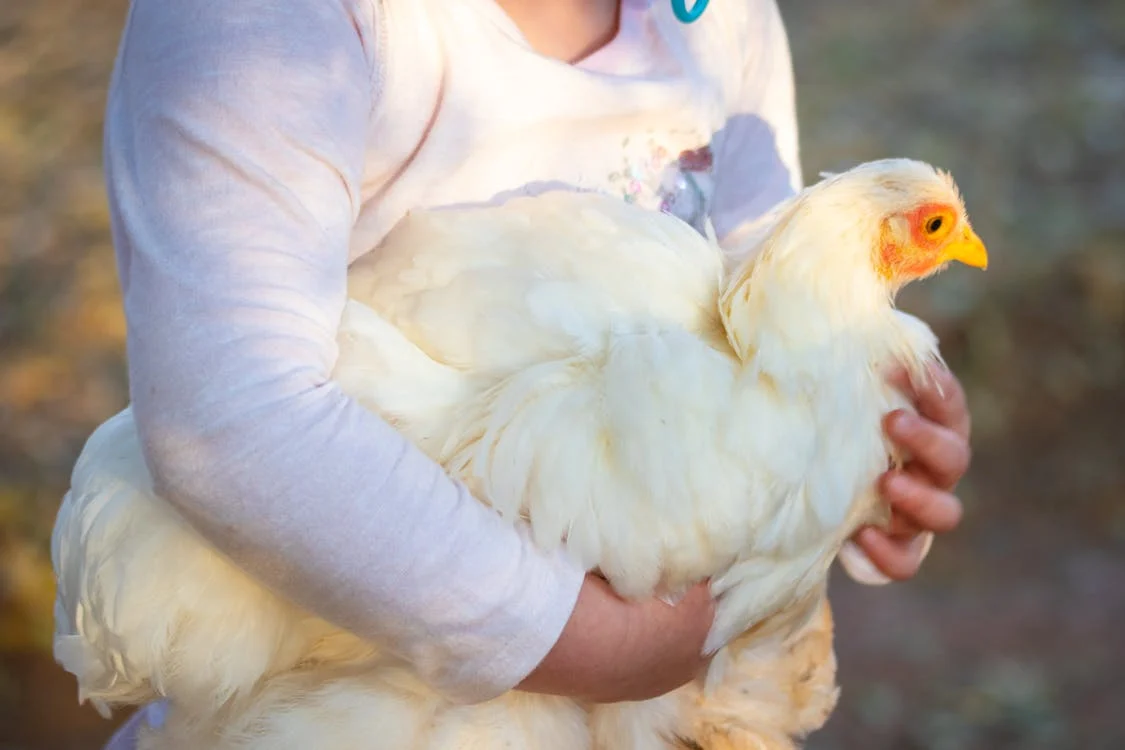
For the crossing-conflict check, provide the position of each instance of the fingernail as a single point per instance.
(897, 483)
(865, 535)
(896, 374)
(903, 424)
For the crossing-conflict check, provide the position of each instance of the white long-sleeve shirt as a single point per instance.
(255, 148)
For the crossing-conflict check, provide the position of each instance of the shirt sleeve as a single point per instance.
(758, 166)
(757, 161)
(235, 137)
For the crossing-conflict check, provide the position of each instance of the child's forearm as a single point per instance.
(235, 137)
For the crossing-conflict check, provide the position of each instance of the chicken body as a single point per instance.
(593, 370)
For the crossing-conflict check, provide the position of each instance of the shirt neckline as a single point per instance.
(630, 26)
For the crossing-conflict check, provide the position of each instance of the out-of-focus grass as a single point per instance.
(1011, 636)
(61, 331)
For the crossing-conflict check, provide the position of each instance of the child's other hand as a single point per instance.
(612, 650)
(921, 493)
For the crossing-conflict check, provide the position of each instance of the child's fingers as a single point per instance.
(941, 399)
(902, 526)
(919, 503)
(897, 558)
(942, 452)
(900, 379)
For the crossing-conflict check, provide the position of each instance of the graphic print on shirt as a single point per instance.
(681, 185)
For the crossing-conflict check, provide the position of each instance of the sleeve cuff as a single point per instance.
(495, 673)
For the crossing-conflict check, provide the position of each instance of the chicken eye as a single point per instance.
(934, 224)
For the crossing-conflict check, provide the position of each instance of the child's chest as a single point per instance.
(668, 171)
(494, 121)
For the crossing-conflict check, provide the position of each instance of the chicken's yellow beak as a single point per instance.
(967, 249)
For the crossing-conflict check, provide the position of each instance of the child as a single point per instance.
(255, 148)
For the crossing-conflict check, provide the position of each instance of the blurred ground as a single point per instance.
(1010, 638)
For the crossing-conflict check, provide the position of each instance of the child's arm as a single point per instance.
(757, 167)
(235, 140)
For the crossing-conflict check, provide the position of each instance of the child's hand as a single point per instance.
(921, 494)
(612, 650)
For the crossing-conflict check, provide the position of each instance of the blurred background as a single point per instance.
(1011, 637)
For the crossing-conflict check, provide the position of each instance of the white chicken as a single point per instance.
(595, 370)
